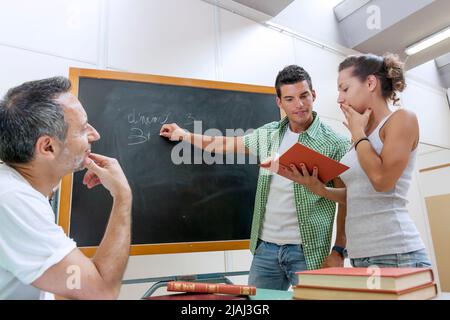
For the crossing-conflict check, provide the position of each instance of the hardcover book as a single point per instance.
(182, 286)
(423, 292)
(328, 168)
(391, 279)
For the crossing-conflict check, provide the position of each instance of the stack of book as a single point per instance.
(366, 284)
(206, 291)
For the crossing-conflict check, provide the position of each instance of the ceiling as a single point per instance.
(443, 65)
(269, 7)
(257, 10)
(402, 23)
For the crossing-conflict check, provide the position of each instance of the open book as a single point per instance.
(298, 153)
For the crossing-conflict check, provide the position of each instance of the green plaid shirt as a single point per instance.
(315, 214)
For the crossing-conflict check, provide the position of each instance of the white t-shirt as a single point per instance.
(30, 240)
(280, 223)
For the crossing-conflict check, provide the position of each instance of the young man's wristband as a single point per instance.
(341, 250)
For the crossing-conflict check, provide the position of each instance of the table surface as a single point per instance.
(266, 294)
(443, 296)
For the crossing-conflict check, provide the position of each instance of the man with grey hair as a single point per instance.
(44, 135)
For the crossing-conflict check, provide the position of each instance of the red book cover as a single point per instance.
(298, 153)
(182, 286)
(361, 272)
(430, 284)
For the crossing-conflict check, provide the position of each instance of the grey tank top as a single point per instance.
(378, 223)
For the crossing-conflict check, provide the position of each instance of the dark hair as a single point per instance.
(290, 75)
(389, 69)
(28, 112)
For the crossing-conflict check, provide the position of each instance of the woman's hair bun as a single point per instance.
(395, 71)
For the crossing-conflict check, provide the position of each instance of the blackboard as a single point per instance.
(176, 207)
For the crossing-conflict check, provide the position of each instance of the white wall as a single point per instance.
(428, 73)
(65, 28)
(188, 38)
(435, 182)
(174, 38)
(35, 42)
(432, 109)
(312, 18)
(250, 53)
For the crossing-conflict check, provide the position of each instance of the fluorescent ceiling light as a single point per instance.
(282, 29)
(428, 42)
(278, 27)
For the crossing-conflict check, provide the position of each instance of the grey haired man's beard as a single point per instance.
(78, 169)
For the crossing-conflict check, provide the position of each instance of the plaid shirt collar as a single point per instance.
(312, 131)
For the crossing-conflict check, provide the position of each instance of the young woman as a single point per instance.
(379, 229)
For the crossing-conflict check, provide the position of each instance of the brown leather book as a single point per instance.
(182, 286)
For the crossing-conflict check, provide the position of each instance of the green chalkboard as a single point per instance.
(173, 203)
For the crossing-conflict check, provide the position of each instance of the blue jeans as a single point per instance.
(274, 267)
(415, 259)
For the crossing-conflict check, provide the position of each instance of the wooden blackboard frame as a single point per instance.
(65, 195)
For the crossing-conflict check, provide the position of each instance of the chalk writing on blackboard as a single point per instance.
(144, 126)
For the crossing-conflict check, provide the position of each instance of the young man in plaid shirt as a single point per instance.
(292, 227)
